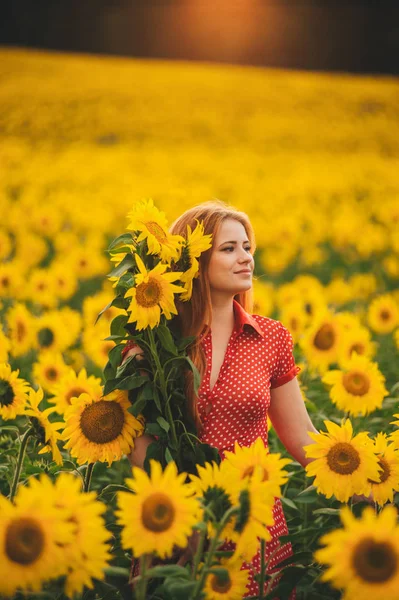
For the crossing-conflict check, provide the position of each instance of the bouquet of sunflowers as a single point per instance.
(154, 269)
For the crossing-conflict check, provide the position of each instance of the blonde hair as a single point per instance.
(195, 315)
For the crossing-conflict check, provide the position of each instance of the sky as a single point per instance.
(321, 35)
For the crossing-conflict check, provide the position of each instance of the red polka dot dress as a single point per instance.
(258, 357)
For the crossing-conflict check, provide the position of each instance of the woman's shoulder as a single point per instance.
(269, 325)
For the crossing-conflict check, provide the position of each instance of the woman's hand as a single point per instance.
(134, 351)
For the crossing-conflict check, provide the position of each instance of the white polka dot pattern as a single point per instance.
(258, 357)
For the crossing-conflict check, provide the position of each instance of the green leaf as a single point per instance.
(125, 238)
(118, 325)
(168, 456)
(115, 355)
(166, 339)
(154, 452)
(222, 574)
(128, 383)
(168, 571)
(179, 589)
(326, 511)
(163, 423)
(156, 399)
(154, 429)
(103, 310)
(288, 502)
(184, 342)
(127, 263)
(196, 374)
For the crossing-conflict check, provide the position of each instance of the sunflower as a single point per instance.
(243, 462)
(46, 431)
(5, 346)
(213, 489)
(396, 338)
(71, 386)
(100, 428)
(295, 319)
(358, 388)
(49, 369)
(231, 586)
(394, 437)
(5, 244)
(32, 537)
(263, 298)
(20, 329)
(321, 341)
(152, 225)
(159, 514)
(256, 516)
(363, 285)
(41, 288)
(356, 340)
(13, 392)
(95, 346)
(195, 244)
(64, 280)
(343, 462)
(11, 280)
(93, 305)
(388, 460)
(88, 553)
(153, 293)
(363, 557)
(383, 314)
(50, 332)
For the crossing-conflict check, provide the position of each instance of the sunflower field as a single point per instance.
(313, 159)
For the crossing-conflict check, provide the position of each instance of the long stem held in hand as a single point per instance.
(262, 569)
(20, 461)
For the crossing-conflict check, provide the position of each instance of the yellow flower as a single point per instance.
(152, 294)
(232, 586)
(50, 332)
(363, 285)
(87, 555)
(343, 462)
(95, 346)
(33, 533)
(153, 227)
(100, 428)
(245, 461)
(396, 338)
(41, 288)
(358, 388)
(363, 557)
(388, 460)
(194, 246)
(11, 280)
(49, 369)
(13, 392)
(321, 341)
(159, 514)
(383, 314)
(64, 280)
(71, 386)
(46, 431)
(355, 340)
(263, 298)
(5, 346)
(20, 324)
(294, 317)
(5, 245)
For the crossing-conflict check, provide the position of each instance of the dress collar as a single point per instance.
(241, 318)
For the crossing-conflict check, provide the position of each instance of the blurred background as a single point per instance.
(358, 36)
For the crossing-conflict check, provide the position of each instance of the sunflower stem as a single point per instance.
(161, 376)
(262, 568)
(198, 554)
(143, 581)
(215, 540)
(22, 449)
(89, 473)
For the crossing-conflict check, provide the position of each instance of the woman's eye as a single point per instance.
(248, 249)
(228, 248)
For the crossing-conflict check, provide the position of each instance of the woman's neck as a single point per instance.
(222, 312)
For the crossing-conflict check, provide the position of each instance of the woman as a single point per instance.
(246, 362)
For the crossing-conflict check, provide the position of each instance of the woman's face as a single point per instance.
(231, 264)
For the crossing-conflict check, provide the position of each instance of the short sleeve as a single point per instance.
(286, 368)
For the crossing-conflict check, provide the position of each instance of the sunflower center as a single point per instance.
(6, 393)
(386, 470)
(308, 308)
(102, 422)
(24, 541)
(356, 383)
(375, 562)
(51, 374)
(343, 458)
(45, 337)
(385, 315)
(324, 338)
(156, 231)
(294, 323)
(158, 513)
(21, 331)
(5, 281)
(74, 393)
(149, 294)
(221, 585)
(358, 348)
(249, 471)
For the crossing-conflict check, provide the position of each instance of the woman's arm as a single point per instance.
(137, 455)
(290, 419)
